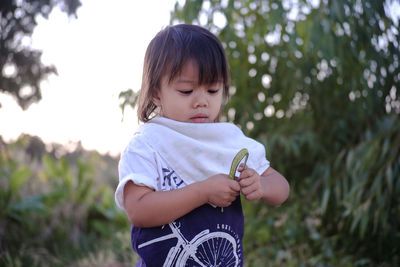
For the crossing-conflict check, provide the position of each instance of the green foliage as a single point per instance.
(318, 83)
(58, 212)
(364, 193)
(18, 19)
(128, 98)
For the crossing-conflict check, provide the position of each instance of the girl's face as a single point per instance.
(183, 99)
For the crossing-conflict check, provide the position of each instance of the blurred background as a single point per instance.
(316, 81)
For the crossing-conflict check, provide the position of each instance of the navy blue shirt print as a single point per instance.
(207, 236)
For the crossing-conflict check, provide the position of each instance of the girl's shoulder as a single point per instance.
(138, 143)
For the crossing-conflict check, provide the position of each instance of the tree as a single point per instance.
(21, 69)
(318, 83)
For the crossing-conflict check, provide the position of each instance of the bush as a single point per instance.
(57, 212)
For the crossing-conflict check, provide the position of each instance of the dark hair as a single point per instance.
(169, 51)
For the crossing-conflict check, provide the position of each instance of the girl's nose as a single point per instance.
(200, 100)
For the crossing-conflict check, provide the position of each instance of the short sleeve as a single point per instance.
(263, 166)
(137, 164)
(257, 157)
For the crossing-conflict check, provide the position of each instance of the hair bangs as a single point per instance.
(204, 49)
(210, 62)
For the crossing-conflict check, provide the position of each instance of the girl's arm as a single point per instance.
(270, 186)
(148, 208)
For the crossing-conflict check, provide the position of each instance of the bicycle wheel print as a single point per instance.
(214, 251)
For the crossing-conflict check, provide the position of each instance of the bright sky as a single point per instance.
(97, 56)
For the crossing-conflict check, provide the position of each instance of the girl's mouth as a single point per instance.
(199, 118)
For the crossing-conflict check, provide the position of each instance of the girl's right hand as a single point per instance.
(221, 191)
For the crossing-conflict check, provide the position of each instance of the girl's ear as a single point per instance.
(156, 99)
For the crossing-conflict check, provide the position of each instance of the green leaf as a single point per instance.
(356, 220)
(50, 167)
(31, 204)
(325, 200)
(389, 180)
(18, 178)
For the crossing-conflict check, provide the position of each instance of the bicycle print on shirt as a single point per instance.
(205, 237)
(205, 249)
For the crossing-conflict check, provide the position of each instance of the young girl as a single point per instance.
(174, 187)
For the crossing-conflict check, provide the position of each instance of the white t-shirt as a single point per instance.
(165, 154)
(142, 165)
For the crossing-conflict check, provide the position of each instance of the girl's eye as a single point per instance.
(213, 91)
(186, 92)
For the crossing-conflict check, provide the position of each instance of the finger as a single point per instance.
(235, 186)
(253, 196)
(235, 194)
(249, 189)
(247, 173)
(246, 190)
(242, 167)
(232, 198)
(244, 182)
(227, 202)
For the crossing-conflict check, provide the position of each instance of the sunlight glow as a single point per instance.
(97, 55)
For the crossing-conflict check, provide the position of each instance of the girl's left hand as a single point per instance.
(250, 183)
